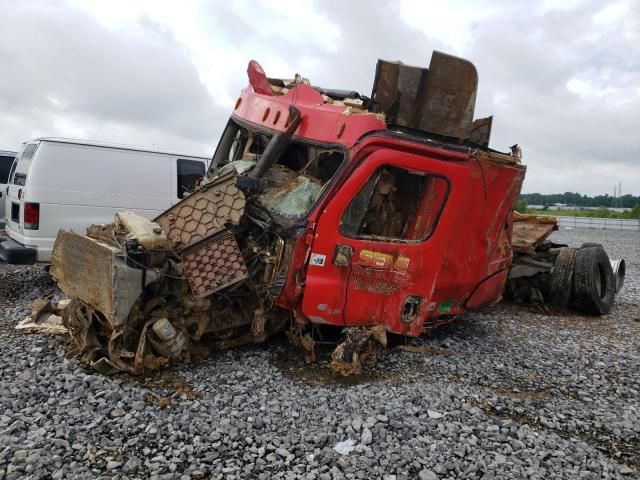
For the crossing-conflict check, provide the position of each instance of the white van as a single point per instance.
(6, 161)
(71, 184)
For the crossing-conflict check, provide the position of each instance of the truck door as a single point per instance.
(373, 258)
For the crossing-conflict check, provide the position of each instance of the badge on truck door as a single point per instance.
(317, 259)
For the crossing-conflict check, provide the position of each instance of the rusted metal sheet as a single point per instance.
(213, 265)
(481, 131)
(528, 235)
(395, 89)
(357, 348)
(203, 213)
(446, 103)
(45, 317)
(440, 99)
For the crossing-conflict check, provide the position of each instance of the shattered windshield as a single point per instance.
(294, 183)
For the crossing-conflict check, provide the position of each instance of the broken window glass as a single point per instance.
(397, 204)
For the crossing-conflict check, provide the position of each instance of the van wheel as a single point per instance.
(594, 284)
(561, 277)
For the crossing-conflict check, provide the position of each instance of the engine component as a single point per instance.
(214, 264)
(97, 274)
(170, 343)
(147, 234)
(203, 213)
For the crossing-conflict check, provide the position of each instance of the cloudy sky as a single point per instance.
(562, 78)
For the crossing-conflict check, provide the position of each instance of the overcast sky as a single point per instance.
(562, 78)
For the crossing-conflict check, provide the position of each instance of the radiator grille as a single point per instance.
(203, 213)
(214, 264)
(83, 269)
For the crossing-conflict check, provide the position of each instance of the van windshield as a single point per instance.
(23, 162)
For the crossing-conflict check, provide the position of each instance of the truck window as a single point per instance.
(189, 172)
(395, 204)
(23, 162)
(5, 168)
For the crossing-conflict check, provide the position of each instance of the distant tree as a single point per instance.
(635, 211)
(521, 206)
(578, 200)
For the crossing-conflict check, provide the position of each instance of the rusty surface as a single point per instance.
(395, 89)
(83, 268)
(103, 233)
(528, 235)
(446, 103)
(203, 213)
(357, 349)
(213, 265)
(481, 131)
(548, 219)
(45, 317)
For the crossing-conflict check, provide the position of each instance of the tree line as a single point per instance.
(629, 202)
(578, 200)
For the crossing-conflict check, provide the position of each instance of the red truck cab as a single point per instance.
(412, 228)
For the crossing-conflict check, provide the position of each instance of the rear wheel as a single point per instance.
(561, 277)
(593, 281)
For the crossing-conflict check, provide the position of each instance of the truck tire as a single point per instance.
(590, 244)
(594, 284)
(561, 277)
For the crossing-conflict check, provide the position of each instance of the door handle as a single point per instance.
(342, 255)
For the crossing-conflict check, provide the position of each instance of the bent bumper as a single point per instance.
(16, 253)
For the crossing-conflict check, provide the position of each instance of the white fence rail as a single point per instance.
(599, 223)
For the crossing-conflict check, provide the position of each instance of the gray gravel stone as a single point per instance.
(525, 394)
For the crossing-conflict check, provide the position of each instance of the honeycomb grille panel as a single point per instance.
(203, 213)
(213, 265)
(83, 269)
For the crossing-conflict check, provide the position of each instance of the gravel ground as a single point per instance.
(521, 394)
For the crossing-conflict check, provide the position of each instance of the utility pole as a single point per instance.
(620, 194)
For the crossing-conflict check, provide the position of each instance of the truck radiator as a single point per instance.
(96, 274)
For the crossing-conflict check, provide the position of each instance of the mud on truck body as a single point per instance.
(322, 208)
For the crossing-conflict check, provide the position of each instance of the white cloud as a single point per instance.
(561, 78)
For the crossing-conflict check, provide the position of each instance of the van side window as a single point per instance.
(396, 204)
(5, 168)
(23, 162)
(189, 173)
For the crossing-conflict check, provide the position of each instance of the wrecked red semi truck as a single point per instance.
(322, 208)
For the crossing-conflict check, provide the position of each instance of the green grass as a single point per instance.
(599, 213)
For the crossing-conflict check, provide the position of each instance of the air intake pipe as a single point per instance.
(277, 145)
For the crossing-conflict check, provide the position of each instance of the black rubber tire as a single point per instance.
(594, 284)
(590, 244)
(561, 286)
